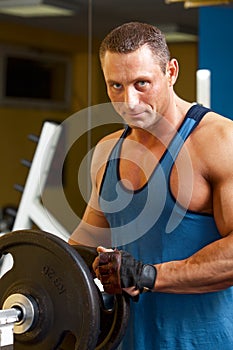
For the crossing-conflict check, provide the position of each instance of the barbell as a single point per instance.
(56, 300)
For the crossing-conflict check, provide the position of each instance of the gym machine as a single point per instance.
(30, 209)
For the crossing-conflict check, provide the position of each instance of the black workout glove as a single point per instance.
(118, 269)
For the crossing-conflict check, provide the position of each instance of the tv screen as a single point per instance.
(35, 79)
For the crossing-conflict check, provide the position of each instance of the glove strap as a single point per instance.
(147, 278)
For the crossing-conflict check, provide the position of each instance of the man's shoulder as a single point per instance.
(214, 124)
(104, 147)
(106, 144)
(213, 139)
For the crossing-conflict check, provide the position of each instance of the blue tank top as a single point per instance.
(154, 228)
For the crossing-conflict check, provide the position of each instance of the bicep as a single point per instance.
(93, 229)
(223, 202)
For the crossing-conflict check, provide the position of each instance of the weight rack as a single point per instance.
(30, 209)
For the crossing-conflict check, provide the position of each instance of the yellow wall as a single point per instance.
(186, 53)
(17, 123)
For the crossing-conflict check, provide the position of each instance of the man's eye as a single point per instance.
(142, 83)
(116, 86)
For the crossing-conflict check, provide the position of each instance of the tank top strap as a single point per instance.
(192, 119)
(115, 153)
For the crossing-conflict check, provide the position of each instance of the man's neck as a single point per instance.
(166, 126)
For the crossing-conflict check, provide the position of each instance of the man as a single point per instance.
(164, 187)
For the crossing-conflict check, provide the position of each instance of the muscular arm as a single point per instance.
(93, 229)
(211, 268)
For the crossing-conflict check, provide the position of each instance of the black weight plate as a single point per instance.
(50, 270)
(113, 321)
(114, 309)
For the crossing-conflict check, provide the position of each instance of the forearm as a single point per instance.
(208, 270)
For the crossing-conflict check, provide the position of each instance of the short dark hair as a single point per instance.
(131, 36)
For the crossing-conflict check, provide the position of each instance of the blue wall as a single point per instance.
(216, 54)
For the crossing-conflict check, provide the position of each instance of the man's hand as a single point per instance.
(118, 270)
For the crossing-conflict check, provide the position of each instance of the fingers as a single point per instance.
(107, 269)
(95, 264)
(101, 249)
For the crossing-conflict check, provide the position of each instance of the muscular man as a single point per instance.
(163, 194)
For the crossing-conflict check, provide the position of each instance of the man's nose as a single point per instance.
(131, 98)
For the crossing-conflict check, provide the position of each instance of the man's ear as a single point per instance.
(172, 71)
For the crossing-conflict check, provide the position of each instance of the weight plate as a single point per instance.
(50, 271)
(114, 317)
(114, 309)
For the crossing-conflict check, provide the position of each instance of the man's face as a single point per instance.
(137, 87)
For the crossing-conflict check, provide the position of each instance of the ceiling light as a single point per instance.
(37, 8)
(198, 3)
